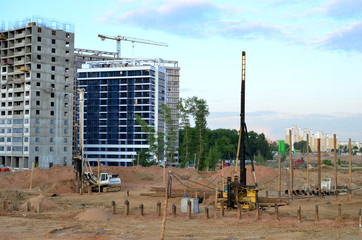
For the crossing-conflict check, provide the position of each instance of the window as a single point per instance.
(38, 48)
(65, 131)
(53, 67)
(37, 112)
(38, 66)
(8, 139)
(67, 35)
(67, 44)
(37, 103)
(2, 149)
(65, 149)
(65, 140)
(36, 139)
(37, 130)
(2, 139)
(53, 59)
(52, 95)
(17, 139)
(52, 86)
(26, 149)
(39, 29)
(51, 130)
(38, 75)
(26, 130)
(39, 39)
(8, 148)
(51, 113)
(52, 104)
(53, 50)
(38, 84)
(51, 121)
(9, 121)
(51, 149)
(36, 149)
(17, 121)
(65, 122)
(37, 93)
(38, 57)
(26, 139)
(17, 148)
(51, 140)
(26, 120)
(52, 77)
(53, 41)
(54, 33)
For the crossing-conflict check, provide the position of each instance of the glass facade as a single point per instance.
(113, 96)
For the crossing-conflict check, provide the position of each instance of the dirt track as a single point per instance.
(61, 222)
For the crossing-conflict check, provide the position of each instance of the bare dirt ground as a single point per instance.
(68, 215)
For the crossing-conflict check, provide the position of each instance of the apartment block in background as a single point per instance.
(36, 87)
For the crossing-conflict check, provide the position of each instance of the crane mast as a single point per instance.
(242, 122)
(119, 38)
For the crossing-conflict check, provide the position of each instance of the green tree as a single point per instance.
(143, 157)
(170, 132)
(183, 107)
(154, 139)
(302, 146)
(200, 110)
(212, 158)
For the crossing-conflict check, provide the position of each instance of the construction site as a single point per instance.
(48, 191)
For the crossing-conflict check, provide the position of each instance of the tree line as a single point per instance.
(198, 145)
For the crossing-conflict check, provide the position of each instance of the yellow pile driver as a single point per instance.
(236, 193)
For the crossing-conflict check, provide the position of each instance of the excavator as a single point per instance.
(236, 193)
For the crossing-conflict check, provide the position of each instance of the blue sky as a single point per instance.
(303, 58)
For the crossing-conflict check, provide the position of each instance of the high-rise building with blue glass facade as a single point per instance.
(115, 92)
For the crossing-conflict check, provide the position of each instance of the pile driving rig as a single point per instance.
(235, 191)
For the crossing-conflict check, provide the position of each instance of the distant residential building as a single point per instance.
(36, 84)
(115, 92)
(326, 139)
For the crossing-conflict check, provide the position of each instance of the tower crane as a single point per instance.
(130, 39)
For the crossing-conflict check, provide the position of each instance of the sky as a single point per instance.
(303, 57)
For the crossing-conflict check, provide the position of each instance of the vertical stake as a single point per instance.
(40, 207)
(335, 164)
(28, 206)
(276, 212)
(206, 213)
(174, 210)
(319, 168)
(216, 197)
(113, 207)
(307, 161)
(127, 193)
(159, 208)
(189, 209)
(31, 175)
(266, 194)
(239, 211)
(291, 166)
(339, 212)
(299, 213)
(99, 180)
(350, 171)
(126, 205)
(316, 213)
(141, 209)
(360, 218)
(16, 206)
(280, 177)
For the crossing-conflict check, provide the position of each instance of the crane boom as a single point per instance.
(130, 39)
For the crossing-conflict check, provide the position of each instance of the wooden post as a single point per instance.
(335, 163)
(222, 209)
(307, 161)
(266, 194)
(113, 203)
(291, 165)
(16, 206)
(299, 213)
(141, 209)
(159, 208)
(174, 210)
(164, 174)
(319, 168)
(28, 206)
(360, 218)
(189, 209)
(276, 212)
(280, 177)
(316, 213)
(350, 171)
(239, 211)
(206, 213)
(339, 218)
(99, 180)
(127, 193)
(31, 175)
(216, 197)
(40, 207)
(126, 206)
(163, 227)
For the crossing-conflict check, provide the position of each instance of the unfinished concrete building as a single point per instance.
(36, 84)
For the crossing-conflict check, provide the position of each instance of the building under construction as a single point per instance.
(37, 72)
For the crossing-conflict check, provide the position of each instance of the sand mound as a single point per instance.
(46, 202)
(94, 214)
(65, 189)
